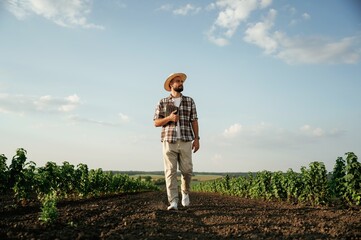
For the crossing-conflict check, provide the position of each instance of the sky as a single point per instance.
(276, 83)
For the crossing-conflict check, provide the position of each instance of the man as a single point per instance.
(177, 115)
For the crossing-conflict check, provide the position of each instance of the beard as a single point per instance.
(179, 89)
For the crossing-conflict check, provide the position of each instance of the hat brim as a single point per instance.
(183, 76)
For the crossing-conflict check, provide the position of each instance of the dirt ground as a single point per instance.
(210, 216)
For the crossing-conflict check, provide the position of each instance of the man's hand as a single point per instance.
(195, 145)
(173, 116)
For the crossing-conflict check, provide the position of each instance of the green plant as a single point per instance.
(21, 176)
(53, 182)
(67, 181)
(278, 186)
(82, 177)
(315, 184)
(4, 174)
(292, 183)
(337, 181)
(25, 183)
(49, 211)
(352, 179)
(261, 185)
(16, 167)
(48, 178)
(99, 183)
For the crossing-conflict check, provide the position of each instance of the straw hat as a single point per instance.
(173, 75)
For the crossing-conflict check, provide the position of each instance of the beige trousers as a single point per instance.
(174, 154)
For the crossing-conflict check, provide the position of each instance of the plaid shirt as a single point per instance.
(187, 114)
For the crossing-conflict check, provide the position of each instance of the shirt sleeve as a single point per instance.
(193, 111)
(159, 111)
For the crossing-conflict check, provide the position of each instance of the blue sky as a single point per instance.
(276, 83)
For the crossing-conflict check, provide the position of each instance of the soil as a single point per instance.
(210, 216)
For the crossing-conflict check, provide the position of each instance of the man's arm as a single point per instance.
(195, 127)
(163, 121)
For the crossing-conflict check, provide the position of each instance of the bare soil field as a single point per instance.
(210, 216)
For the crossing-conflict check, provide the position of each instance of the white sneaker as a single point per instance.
(173, 206)
(185, 200)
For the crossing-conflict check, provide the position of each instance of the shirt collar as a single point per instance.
(171, 97)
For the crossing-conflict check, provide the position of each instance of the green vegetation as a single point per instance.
(49, 212)
(158, 177)
(52, 183)
(312, 186)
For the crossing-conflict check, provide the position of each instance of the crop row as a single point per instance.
(52, 182)
(313, 185)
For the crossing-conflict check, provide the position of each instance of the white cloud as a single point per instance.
(65, 13)
(231, 14)
(24, 104)
(267, 135)
(43, 102)
(71, 103)
(49, 103)
(259, 35)
(232, 131)
(15, 103)
(183, 10)
(317, 132)
(165, 7)
(211, 7)
(218, 40)
(21, 104)
(306, 16)
(302, 50)
(123, 117)
(79, 119)
(319, 50)
(276, 43)
(265, 3)
(187, 9)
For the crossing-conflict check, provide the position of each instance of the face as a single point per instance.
(177, 84)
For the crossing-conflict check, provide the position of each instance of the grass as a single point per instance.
(195, 179)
